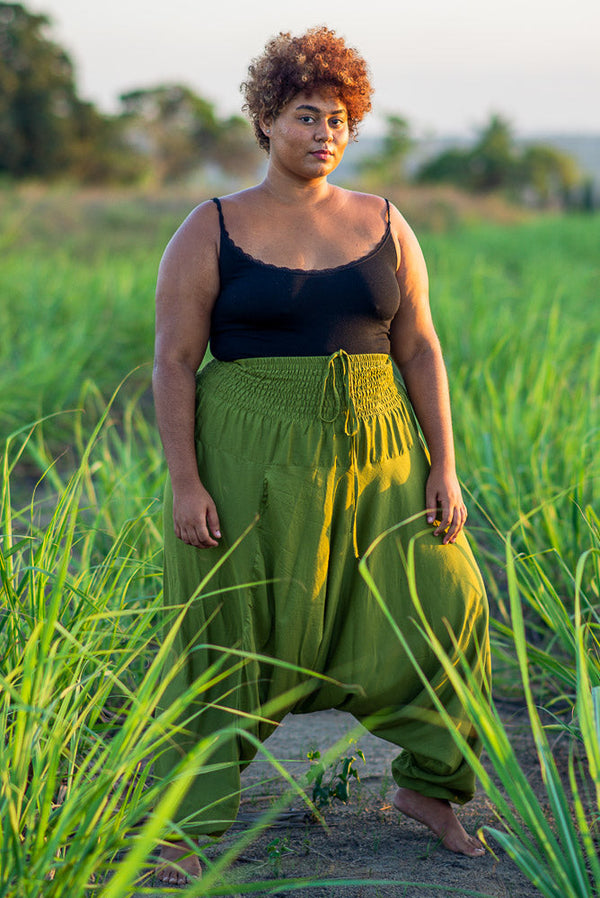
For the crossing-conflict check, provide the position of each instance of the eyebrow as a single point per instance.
(316, 109)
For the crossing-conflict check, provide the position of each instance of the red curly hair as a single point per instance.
(291, 65)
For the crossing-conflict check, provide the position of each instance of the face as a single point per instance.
(310, 134)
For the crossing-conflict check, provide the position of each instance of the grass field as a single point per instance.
(518, 314)
(516, 309)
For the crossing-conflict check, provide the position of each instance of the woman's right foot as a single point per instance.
(439, 816)
(177, 865)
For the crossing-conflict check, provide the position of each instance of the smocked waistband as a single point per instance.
(300, 387)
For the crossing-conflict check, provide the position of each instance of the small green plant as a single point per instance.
(276, 849)
(332, 783)
(386, 782)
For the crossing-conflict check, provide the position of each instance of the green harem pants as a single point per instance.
(325, 451)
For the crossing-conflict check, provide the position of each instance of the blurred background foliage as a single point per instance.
(167, 133)
(161, 133)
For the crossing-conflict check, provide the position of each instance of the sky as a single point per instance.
(445, 65)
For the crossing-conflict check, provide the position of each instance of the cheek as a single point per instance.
(289, 133)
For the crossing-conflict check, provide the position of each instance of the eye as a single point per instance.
(337, 122)
(307, 119)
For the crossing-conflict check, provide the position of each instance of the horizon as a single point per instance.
(525, 61)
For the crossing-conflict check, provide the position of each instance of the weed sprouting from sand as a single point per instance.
(331, 783)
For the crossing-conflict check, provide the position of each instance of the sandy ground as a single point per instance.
(365, 839)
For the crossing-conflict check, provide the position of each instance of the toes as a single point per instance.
(172, 877)
(476, 849)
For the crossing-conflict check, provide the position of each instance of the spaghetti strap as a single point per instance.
(387, 209)
(217, 203)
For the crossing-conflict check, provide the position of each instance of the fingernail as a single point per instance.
(430, 519)
(217, 533)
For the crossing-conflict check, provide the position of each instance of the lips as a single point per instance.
(321, 154)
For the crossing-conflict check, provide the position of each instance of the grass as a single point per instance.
(80, 551)
(556, 849)
(85, 660)
(516, 309)
(85, 649)
(517, 312)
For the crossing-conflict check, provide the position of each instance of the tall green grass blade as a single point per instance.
(558, 864)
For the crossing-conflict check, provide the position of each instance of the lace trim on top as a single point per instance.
(333, 270)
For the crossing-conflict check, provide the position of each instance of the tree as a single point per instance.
(236, 150)
(179, 131)
(389, 163)
(46, 130)
(99, 152)
(496, 162)
(491, 164)
(493, 161)
(549, 172)
(37, 95)
(451, 167)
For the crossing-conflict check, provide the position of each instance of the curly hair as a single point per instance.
(291, 65)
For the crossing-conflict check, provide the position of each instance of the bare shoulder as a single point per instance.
(372, 209)
(409, 250)
(197, 234)
(244, 214)
(188, 275)
(400, 225)
(364, 213)
(367, 205)
(242, 201)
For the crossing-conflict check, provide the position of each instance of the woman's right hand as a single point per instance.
(195, 518)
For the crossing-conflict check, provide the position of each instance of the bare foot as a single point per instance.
(177, 865)
(439, 816)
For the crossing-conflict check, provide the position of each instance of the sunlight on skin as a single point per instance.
(439, 816)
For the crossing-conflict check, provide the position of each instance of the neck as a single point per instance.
(288, 189)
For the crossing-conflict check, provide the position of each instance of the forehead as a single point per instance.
(325, 100)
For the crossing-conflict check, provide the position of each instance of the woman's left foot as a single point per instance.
(439, 816)
(177, 864)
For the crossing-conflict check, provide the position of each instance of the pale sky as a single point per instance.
(444, 64)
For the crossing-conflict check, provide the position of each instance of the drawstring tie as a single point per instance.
(343, 400)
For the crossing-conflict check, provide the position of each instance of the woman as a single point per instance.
(306, 292)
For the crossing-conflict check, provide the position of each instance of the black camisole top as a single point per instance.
(269, 310)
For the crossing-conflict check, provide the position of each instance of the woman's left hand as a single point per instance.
(443, 495)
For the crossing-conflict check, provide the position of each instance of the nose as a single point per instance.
(323, 132)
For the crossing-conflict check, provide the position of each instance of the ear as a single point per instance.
(265, 125)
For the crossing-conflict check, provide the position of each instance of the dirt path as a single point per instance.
(366, 839)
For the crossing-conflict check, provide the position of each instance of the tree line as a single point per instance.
(166, 132)
(537, 173)
(160, 133)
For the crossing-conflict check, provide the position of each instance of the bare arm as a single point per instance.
(187, 287)
(416, 350)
